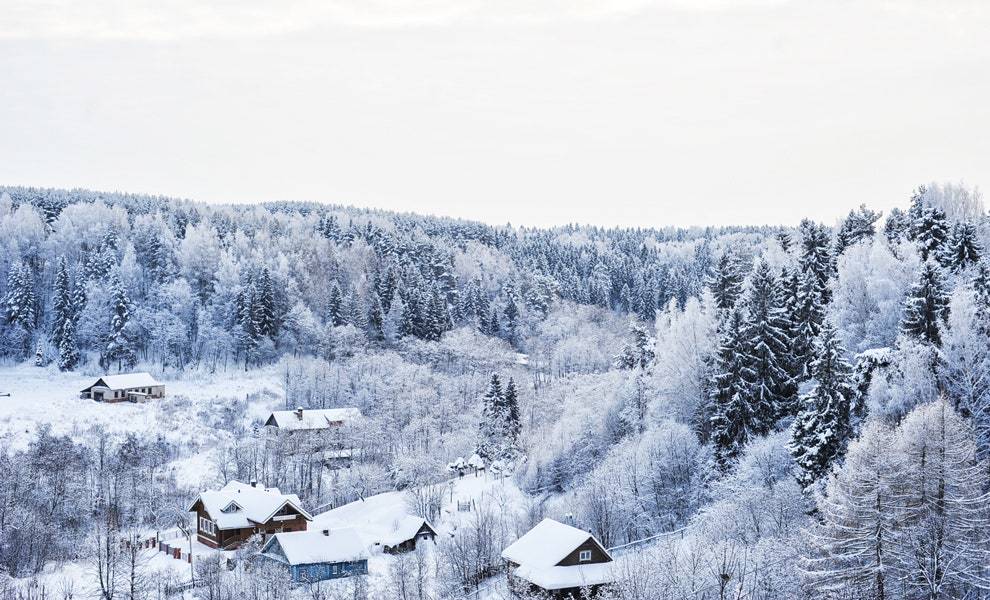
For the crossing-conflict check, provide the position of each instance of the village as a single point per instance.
(240, 523)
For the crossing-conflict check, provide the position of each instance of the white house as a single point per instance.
(131, 387)
(311, 419)
(558, 559)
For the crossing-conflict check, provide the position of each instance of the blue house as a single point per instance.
(317, 555)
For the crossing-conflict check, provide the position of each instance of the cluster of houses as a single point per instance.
(552, 557)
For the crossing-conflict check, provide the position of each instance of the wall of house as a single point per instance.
(324, 571)
(574, 558)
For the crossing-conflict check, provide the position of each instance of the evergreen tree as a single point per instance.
(376, 318)
(808, 317)
(859, 225)
(815, 257)
(265, 309)
(930, 231)
(821, 428)
(511, 314)
(963, 248)
(638, 352)
(492, 420)
(21, 303)
(513, 423)
(981, 298)
(732, 420)
(726, 282)
(63, 335)
(335, 306)
(119, 346)
(897, 227)
(771, 391)
(927, 306)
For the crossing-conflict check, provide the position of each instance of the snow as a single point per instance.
(126, 381)
(546, 544)
(316, 546)
(312, 418)
(557, 578)
(238, 505)
(405, 529)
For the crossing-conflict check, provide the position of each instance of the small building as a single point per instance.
(126, 387)
(406, 532)
(558, 559)
(311, 419)
(227, 517)
(318, 555)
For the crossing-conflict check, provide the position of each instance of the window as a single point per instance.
(207, 526)
(584, 556)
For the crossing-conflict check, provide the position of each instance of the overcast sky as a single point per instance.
(535, 112)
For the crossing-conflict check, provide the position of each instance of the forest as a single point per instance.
(766, 412)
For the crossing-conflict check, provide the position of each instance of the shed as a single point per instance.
(406, 533)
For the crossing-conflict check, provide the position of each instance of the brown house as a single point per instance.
(406, 532)
(227, 517)
(558, 559)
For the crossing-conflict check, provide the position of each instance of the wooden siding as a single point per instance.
(598, 555)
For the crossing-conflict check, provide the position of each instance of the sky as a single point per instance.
(533, 112)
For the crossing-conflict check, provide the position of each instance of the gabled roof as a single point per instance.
(562, 578)
(314, 546)
(547, 544)
(312, 418)
(125, 381)
(406, 529)
(254, 505)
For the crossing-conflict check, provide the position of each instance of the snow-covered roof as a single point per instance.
(238, 505)
(126, 381)
(405, 529)
(546, 545)
(559, 578)
(316, 546)
(311, 418)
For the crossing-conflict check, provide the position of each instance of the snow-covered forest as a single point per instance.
(749, 413)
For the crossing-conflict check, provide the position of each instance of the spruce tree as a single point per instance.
(512, 422)
(732, 420)
(376, 318)
(815, 257)
(963, 248)
(897, 226)
(21, 304)
(927, 306)
(930, 231)
(859, 225)
(821, 428)
(726, 282)
(771, 390)
(63, 335)
(119, 346)
(265, 310)
(335, 306)
(492, 420)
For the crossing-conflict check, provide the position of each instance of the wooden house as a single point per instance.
(311, 419)
(406, 532)
(227, 517)
(318, 555)
(558, 559)
(126, 387)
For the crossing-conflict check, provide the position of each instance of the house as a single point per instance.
(311, 419)
(406, 532)
(131, 387)
(558, 559)
(317, 555)
(227, 517)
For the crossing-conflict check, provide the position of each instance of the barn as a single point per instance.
(125, 387)
(318, 555)
(559, 560)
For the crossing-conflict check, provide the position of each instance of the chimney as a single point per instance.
(326, 532)
(299, 413)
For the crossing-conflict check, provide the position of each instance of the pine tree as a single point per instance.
(821, 428)
(732, 420)
(119, 346)
(981, 296)
(963, 248)
(927, 306)
(859, 225)
(897, 227)
(63, 335)
(726, 282)
(930, 231)
(335, 306)
(513, 424)
(808, 317)
(511, 314)
(492, 420)
(376, 318)
(771, 391)
(264, 305)
(815, 257)
(638, 353)
(21, 304)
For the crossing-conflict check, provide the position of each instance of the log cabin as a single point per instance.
(559, 560)
(228, 517)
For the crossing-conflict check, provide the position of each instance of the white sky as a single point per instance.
(538, 112)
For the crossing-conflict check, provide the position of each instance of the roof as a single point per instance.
(312, 418)
(125, 381)
(559, 578)
(546, 545)
(313, 547)
(238, 505)
(405, 529)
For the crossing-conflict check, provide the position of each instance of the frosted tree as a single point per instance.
(821, 428)
(963, 248)
(638, 352)
(119, 345)
(21, 304)
(927, 306)
(512, 422)
(850, 549)
(815, 256)
(897, 226)
(733, 420)
(63, 334)
(930, 231)
(490, 430)
(375, 319)
(943, 541)
(335, 306)
(726, 281)
(859, 225)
